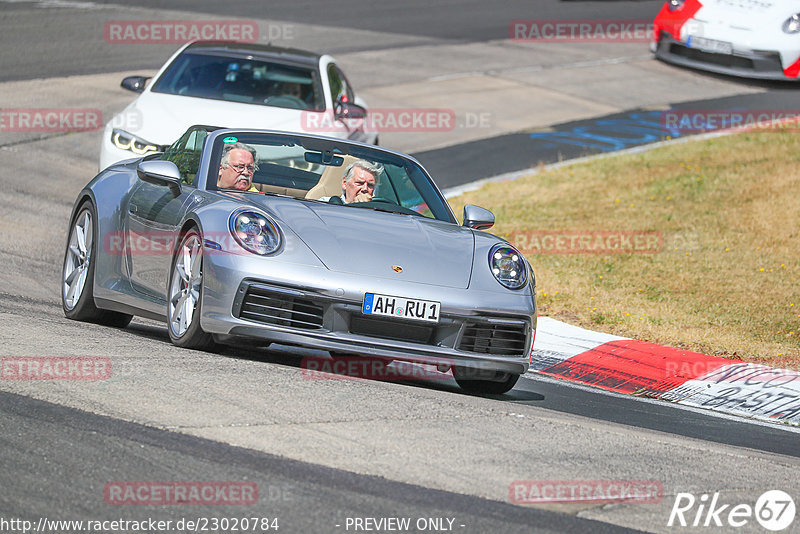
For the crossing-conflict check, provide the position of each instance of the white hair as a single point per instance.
(375, 169)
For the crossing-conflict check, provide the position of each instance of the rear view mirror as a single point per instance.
(324, 158)
(477, 217)
(163, 173)
(134, 83)
(348, 110)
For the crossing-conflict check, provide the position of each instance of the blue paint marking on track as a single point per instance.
(460, 164)
(608, 135)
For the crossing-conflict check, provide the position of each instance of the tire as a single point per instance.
(77, 274)
(185, 295)
(490, 387)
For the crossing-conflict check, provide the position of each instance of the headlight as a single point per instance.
(255, 232)
(508, 266)
(792, 24)
(126, 141)
(674, 5)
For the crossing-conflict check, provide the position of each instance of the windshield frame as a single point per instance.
(328, 147)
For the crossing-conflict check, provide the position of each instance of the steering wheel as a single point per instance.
(384, 200)
(286, 101)
(187, 80)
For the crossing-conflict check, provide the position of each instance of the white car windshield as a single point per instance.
(248, 81)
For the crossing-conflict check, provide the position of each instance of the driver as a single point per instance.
(359, 181)
(237, 167)
(292, 89)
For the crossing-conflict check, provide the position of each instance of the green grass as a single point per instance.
(728, 211)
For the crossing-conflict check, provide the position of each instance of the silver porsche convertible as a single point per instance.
(271, 237)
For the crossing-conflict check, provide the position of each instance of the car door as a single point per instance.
(154, 215)
(342, 91)
(153, 218)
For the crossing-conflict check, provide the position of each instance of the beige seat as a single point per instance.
(266, 188)
(330, 183)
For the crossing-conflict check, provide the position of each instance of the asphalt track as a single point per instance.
(64, 457)
(448, 21)
(346, 448)
(457, 165)
(468, 20)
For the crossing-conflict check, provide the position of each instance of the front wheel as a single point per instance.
(77, 276)
(502, 382)
(185, 295)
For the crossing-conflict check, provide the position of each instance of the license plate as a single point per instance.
(400, 307)
(710, 45)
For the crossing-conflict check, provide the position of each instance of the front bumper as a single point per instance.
(759, 64)
(317, 308)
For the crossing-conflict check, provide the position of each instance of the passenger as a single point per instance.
(236, 169)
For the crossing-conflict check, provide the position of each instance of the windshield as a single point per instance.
(348, 176)
(249, 81)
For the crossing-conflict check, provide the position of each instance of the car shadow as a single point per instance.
(770, 85)
(148, 331)
(318, 364)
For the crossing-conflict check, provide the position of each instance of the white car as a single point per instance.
(235, 85)
(752, 38)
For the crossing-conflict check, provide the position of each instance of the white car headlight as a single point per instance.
(127, 141)
(674, 5)
(508, 266)
(792, 24)
(255, 232)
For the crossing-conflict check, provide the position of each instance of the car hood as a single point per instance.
(748, 14)
(162, 118)
(373, 244)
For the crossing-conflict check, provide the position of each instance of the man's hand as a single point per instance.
(362, 197)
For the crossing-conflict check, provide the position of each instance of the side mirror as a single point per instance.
(477, 217)
(160, 172)
(348, 110)
(134, 83)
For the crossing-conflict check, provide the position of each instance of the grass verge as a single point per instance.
(723, 278)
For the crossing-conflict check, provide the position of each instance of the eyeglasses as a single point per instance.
(240, 167)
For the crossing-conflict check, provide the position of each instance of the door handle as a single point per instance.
(132, 208)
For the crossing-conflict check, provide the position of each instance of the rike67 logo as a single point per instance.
(774, 510)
